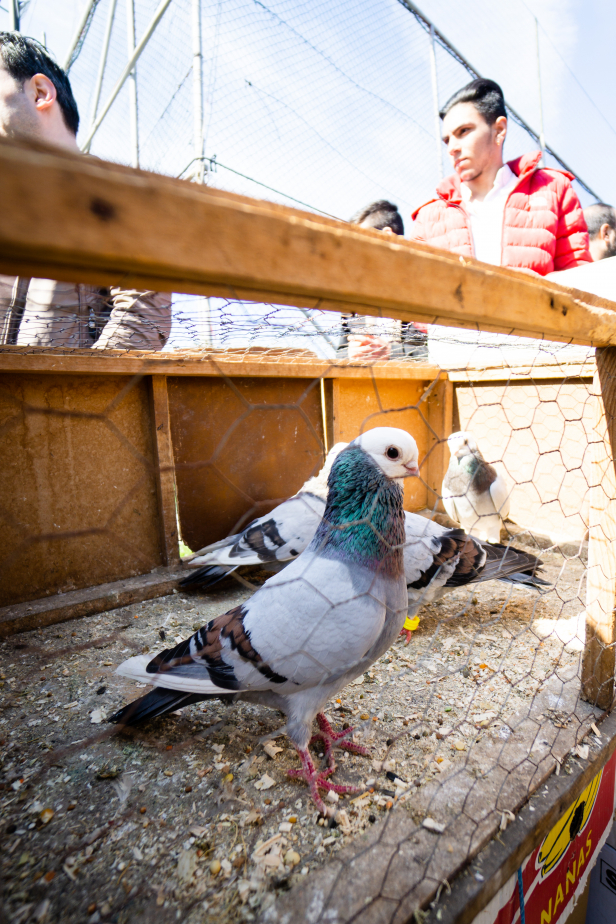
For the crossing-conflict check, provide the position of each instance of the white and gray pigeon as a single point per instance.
(473, 492)
(271, 540)
(312, 628)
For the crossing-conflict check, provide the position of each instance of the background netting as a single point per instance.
(193, 815)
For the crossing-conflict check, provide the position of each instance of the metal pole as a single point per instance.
(14, 15)
(132, 84)
(103, 62)
(198, 145)
(541, 131)
(135, 57)
(437, 118)
(83, 24)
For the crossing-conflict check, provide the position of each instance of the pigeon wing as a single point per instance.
(449, 504)
(500, 493)
(306, 626)
(278, 536)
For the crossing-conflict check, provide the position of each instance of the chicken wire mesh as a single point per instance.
(193, 815)
(325, 106)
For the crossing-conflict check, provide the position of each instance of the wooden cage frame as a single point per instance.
(70, 217)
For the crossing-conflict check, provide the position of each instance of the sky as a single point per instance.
(330, 101)
(328, 104)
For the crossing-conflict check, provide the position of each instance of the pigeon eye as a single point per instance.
(393, 453)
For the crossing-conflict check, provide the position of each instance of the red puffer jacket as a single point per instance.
(544, 228)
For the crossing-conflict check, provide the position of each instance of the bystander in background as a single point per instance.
(371, 338)
(515, 214)
(601, 221)
(37, 103)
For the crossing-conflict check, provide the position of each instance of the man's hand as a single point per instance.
(369, 347)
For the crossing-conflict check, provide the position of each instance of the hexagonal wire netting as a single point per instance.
(195, 811)
(118, 466)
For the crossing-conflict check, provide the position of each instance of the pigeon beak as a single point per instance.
(412, 468)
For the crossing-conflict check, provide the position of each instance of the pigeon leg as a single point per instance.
(317, 781)
(332, 739)
(410, 624)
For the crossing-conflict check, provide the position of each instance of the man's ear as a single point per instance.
(604, 232)
(43, 91)
(500, 128)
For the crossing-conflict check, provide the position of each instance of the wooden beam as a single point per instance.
(501, 859)
(25, 617)
(525, 373)
(440, 420)
(165, 472)
(270, 363)
(71, 217)
(599, 655)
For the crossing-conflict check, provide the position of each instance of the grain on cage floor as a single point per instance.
(192, 817)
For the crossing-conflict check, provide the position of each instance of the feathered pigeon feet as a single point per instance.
(317, 781)
(331, 739)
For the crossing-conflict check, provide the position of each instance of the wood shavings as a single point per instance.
(266, 782)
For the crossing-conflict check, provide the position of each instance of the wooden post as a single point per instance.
(598, 662)
(165, 471)
(440, 422)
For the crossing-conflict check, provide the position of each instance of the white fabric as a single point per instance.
(598, 278)
(487, 216)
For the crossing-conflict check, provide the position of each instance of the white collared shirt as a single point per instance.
(487, 216)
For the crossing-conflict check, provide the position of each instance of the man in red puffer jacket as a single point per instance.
(516, 214)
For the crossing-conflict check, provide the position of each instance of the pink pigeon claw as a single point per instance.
(332, 739)
(317, 781)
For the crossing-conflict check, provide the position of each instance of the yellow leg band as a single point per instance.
(411, 623)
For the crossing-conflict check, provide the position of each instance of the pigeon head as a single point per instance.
(364, 517)
(462, 444)
(394, 451)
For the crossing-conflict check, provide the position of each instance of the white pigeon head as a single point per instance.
(394, 451)
(462, 444)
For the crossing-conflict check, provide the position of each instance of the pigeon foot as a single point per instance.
(410, 624)
(331, 739)
(317, 781)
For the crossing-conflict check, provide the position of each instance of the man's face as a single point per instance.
(18, 114)
(471, 143)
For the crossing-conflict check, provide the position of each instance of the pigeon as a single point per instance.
(438, 560)
(474, 494)
(270, 541)
(312, 628)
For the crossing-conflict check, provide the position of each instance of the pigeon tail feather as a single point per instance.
(136, 669)
(206, 576)
(155, 703)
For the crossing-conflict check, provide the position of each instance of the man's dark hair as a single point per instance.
(597, 215)
(382, 214)
(23, 57)
(485, 95)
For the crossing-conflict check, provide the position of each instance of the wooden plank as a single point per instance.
(78, 503)
(70, 217)
(558, 371)
(361, 404)
(165, 471)
(440, 422)
(599, 661)
(25, 617)
(241, 446)
(270, 363)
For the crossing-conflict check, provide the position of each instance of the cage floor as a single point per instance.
(193, 818)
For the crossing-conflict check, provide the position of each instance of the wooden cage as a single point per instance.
(95, 447)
